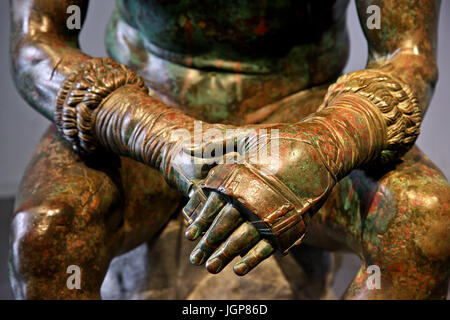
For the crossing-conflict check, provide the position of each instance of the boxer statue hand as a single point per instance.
(257, 207)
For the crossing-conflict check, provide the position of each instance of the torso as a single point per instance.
(225, 60)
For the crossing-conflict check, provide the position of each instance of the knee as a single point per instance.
(429, 200)
(36, 237)
(429, 214)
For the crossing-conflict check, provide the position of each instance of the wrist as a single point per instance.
(389, 101)
(347, 134)
(82, 93)
(131, 123)
(106, 105)
(367, 117)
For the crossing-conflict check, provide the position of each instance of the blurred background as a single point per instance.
(21, 127)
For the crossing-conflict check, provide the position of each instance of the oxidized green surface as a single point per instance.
(222, 67)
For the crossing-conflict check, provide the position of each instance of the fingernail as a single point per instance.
(197, 257)
(214, 265)
(192, 232)
(240, 268)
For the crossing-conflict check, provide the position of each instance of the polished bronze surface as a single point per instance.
(347, 176)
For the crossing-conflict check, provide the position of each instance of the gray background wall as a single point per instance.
(21, 127)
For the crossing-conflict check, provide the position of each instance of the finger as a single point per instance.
(226, 221)
(256, 255)
(194, 205)
(242, 239)
(207, 214)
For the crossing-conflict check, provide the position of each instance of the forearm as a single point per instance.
(367, 116)
(129, 122)
(347, 134)
(400, 76)
(71, 89)
(42, 68)
(397, 85)
(57, 78)
(103, 105)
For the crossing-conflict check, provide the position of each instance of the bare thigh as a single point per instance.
(396, 218)
(72, 212)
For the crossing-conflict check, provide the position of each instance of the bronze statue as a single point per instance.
(110, 174)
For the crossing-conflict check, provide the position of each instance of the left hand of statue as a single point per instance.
(259, 205)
